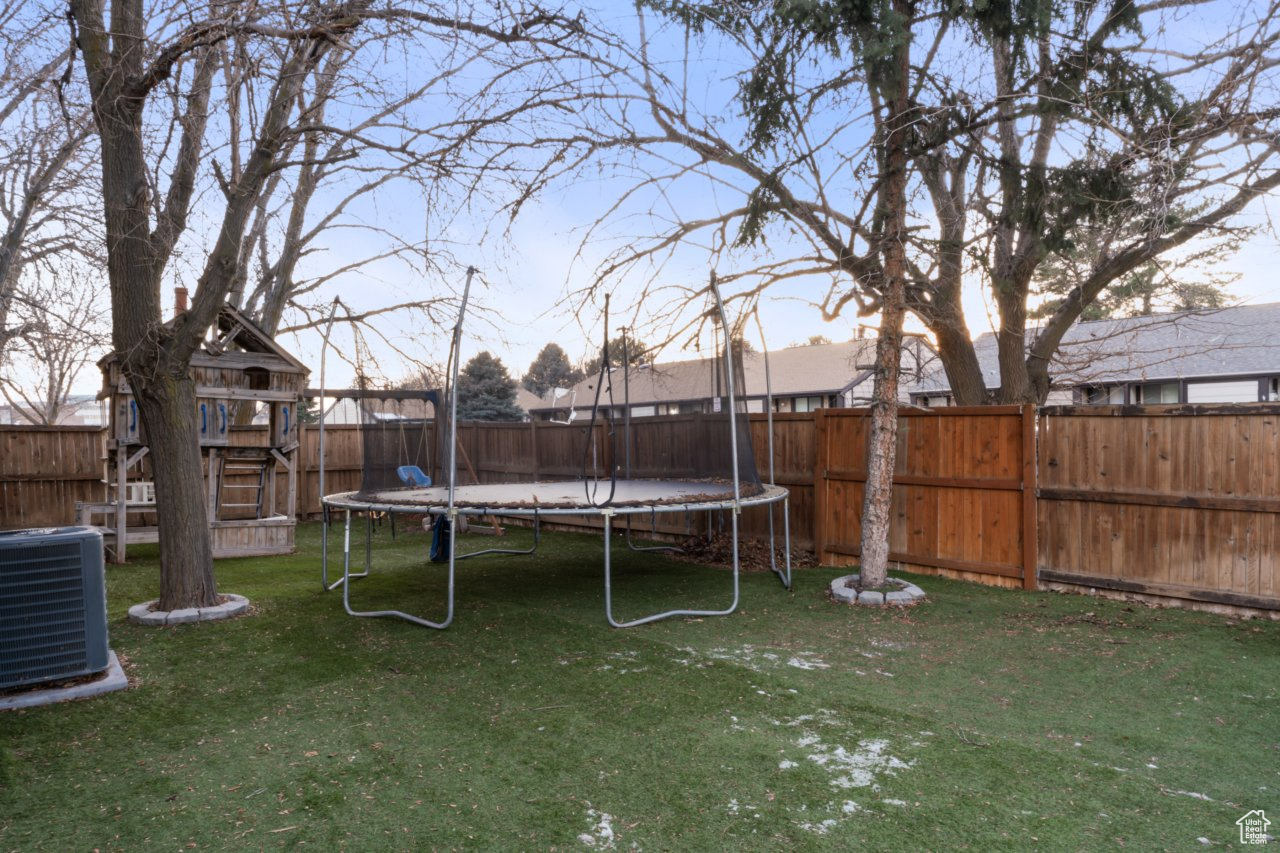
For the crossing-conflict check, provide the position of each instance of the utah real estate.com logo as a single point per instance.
(1253, 827)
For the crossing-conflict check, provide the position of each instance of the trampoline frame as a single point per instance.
(351, 502)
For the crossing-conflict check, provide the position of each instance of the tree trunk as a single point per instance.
(1011, 344)
(168, 409)
(882, 454)
(877, 501)
(160, 382)
(154, 358)
(960, 361)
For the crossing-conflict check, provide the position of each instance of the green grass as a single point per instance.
(983, 719)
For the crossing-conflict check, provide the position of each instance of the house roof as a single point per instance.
(528, 400)
(1238, 341)
(794, 371)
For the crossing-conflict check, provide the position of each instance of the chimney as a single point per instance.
(179, 300)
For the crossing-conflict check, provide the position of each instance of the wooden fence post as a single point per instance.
(1030, 554)
(821, 456)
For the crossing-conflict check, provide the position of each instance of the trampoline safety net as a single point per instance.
(669, 422)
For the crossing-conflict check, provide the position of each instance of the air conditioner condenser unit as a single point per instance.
(53, 605)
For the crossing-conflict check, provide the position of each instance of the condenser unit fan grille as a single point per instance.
(52, 606)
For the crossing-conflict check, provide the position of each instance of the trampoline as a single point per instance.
(608, 496)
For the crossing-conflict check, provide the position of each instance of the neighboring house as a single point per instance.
(801, 379)
(1228, 355)
(79, 410)
(528, 401)
(345, 410)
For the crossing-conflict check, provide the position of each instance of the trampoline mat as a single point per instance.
(587, 496)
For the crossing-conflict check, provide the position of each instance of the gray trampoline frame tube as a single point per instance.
(786, 520)
(451, 510)
(736, 506)
(324, 509)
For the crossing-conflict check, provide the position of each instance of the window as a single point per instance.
(1105, 395)
(1243, 391)
(1273, 390)
(806, 404)
(1157, 393)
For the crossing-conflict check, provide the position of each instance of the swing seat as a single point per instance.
(411, 475)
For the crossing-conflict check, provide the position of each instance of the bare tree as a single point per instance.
(46, 214)
(63, 331)
(153, 73)
(1034, 126)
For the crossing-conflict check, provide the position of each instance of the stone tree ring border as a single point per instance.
(843, 589)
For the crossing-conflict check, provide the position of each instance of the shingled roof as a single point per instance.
(818, 369)
(1239, 341)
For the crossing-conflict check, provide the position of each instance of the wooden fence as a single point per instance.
(45, 470)
(1178, 501)
(963, 496)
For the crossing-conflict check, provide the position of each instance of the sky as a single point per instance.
(527, 294)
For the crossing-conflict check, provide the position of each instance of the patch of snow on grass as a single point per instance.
(821, 828)
(753, 658)
(856, 768)
(846, 767)
(601, 836)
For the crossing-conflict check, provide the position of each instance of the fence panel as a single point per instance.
(962, 499)
(45, 470)
(1164, 500)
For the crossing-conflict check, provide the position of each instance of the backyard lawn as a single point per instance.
(982, 719)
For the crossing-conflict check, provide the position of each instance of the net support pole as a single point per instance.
(785, 577)
(324, 509)
(451, 511)
(608, 513)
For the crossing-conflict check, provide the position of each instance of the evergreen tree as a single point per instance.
(486, 391)
(551, 369)
(1197, 282)
(638, 352)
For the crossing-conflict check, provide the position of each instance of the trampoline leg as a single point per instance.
(608, 583)
(537, 534)
(785, 577)
(324, 547)
(653, 531)
(347, 574)
(399, 614)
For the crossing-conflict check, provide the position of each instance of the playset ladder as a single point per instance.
(243, 477)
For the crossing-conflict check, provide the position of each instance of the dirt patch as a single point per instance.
(753, 556)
